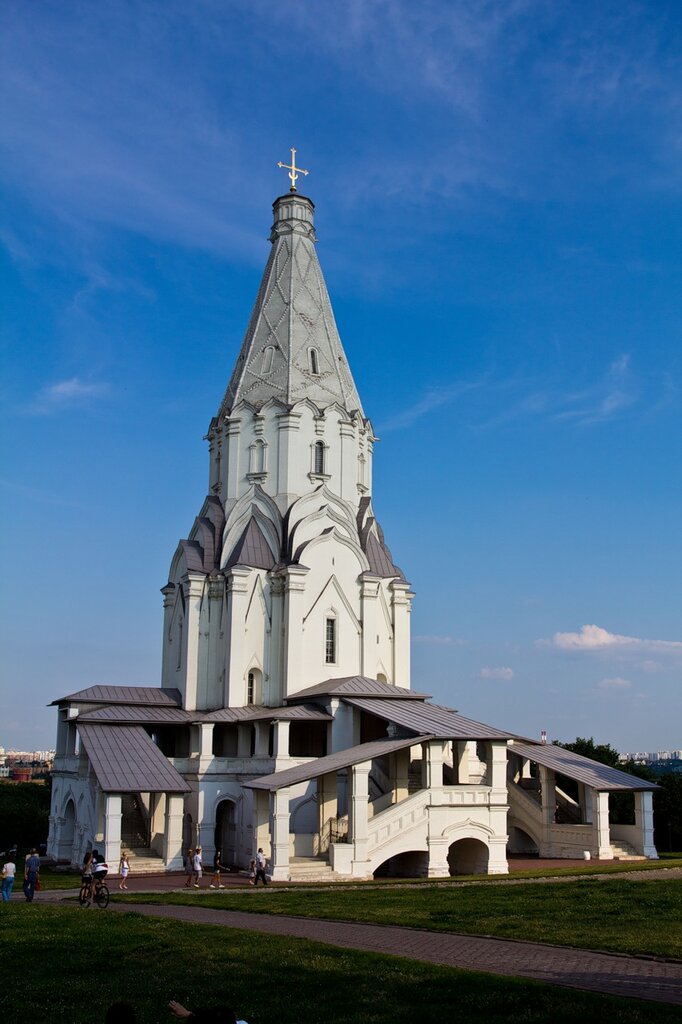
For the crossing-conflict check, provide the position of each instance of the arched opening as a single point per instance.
(313, 360)
(468, 857)
(226, 832)
(268, 356)
(410, 864)
(520, 844)
(381, 678)
(318, 457)
(67, 834)
(254, 686)
(187, 833)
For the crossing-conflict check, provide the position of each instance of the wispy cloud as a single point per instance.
(433, 399)
(35, 494)
(430, 640)
(592, 638)
(614, 683)
(65, 395)
(504, 673)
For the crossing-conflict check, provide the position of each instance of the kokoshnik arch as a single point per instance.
(285, 718)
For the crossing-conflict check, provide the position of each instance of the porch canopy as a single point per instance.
(583, 769)
(332, 763)
(440, 722)
(125, 760)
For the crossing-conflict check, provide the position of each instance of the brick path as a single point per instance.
(575, 968)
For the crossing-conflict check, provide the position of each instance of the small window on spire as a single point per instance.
(318, 463)
(330, 641)
(314, 362)
(268, 356)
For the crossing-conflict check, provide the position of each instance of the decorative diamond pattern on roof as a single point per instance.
(292, 315)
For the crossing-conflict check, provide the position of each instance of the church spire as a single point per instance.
(292, 349)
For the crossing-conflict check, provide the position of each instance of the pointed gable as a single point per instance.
(292, 349)
(252, 549)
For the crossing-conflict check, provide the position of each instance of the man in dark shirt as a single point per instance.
(31, 872)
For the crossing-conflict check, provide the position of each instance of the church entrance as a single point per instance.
(67, 833)
(226, 832)
(468, 857)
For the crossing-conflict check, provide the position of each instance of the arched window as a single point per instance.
(253, 686)
(268, 356)
(330, 641)
(257, 457)
(313, 360)
(318, 462)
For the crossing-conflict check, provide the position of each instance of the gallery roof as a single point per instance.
(138, 713)
(125, 760)
(441, 722)
(331, 763)
(583, 769)
(354, 686)
(154, 695)
(254, 713)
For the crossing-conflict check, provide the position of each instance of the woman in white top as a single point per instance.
(123, 870)
(9, 870)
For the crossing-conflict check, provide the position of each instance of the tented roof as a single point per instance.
(354, 686)
(583, 769)
(332, 763)
(125, 760)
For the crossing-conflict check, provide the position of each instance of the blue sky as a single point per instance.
(497, 201)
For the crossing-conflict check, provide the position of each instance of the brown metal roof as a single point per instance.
(354, 686)
(331, 763)
(125, 760)
(442, 722)
(583, 769)
(253, 713)
(125, 713)
(124, 695)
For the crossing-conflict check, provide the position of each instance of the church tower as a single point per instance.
(285, 579)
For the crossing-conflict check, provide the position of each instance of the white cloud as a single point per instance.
(595, 638)
(437, 641)
(66, 394)
(614, 683)
(504, 672)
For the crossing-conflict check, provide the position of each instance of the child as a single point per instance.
(252, 872)
(123, 869)
(189, 867)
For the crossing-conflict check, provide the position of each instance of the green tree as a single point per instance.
(24, 813)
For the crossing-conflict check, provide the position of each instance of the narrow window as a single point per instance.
(268, 356)
(330, 641)
(314, 364)
(319, 457)
(250, 688)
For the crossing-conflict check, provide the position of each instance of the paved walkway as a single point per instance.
(640, 977)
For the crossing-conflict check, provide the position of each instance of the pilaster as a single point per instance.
(358, 816)
(601, 833)
(112, 830)
(237, 580)
(193, 584)
(280, 835)
(369, 609)
(644, 821)
(401, 604)
(172, 836)
(295, 579)
(288, 424)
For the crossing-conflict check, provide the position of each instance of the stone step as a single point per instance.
(625, 851)
(310, 869)
(145, 862)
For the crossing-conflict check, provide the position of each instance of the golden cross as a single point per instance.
(293, 169)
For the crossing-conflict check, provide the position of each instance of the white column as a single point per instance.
(194, 591)
(497, 855)
(369, 611)
(601, 834)
(327, 799)
(205, 738)
(498, 771)
(462, 763)
(401, 604)
(281, 743)
(401, 774)
(273, 686)
(112, 830)
(548, 794)
(230, 473)
(438, 856)
(237, 580)
(358, 816)
(172, 836)
(433, 776)
(644, 820)
(295, 576)
(280, 835)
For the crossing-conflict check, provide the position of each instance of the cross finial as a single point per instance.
(294, 171)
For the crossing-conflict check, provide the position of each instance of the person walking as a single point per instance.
(198, 867)
(261, 864)
(31, 875)
(123, 870)
(217, 868)
(189, 867)
(9, 870)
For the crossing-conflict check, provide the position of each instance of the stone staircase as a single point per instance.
(311, 869)
(143, 861)
(624, 851)
(134, 828)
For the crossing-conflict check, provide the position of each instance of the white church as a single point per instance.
(285, 718)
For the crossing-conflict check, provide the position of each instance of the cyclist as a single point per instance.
(100, 868)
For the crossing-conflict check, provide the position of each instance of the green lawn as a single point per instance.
(614, 914)
(69, 965)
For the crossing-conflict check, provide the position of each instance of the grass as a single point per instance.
(75, 963)
(623, 916)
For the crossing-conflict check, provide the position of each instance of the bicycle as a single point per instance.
(99, 894)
